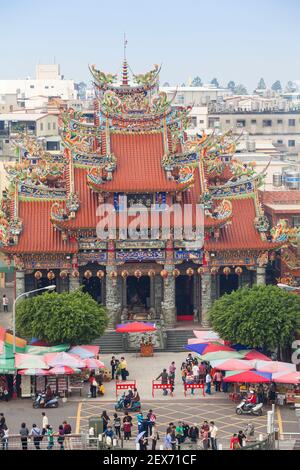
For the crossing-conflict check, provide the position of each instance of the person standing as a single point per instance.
(172, 370)
(24, 436)
(2, 421)
(179, 434)
(205, 439)
(217, 380)
(45, 423)
(164, 380)
(213, 430)
(127, 425)
(151, 420)
(234, 443)
(168, 441)
(123, 368)
(208, 384)
(105, 420)
(195, 370)
(50, 435)
(154, 436)
(117, 425)
(242, 438)
(61, 437)
(173, 438)
(113, 364)
(36, 434)
(5, 303)
(194, 433)
(93, 385)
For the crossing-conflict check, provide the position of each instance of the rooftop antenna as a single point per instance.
(125, 65)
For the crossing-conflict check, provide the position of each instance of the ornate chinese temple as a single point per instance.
(136, 146)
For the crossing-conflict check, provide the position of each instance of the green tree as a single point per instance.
(276, 86)
(197, 81)
(231, 85)
(166, 84)
(73, 318)
(290, 87)
(261, 317)
(215, 82)
(261, 84)
(240, 90)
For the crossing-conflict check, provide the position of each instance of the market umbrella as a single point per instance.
(63, 370)
(91, 363)
(7, 365)
(205, 348)
(138, 437)
(275, 366)
(84, 351)
(221, 355)
(30, 361)
(207, 335)
(251, 354)
(64, 359)
(248, 376)
(204, 340)
(232, 364)
(34, 372)
(40, 350)
(135, 327)
(290, 378)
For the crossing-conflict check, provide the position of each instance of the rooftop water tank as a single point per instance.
(277, 180)
(291, 179)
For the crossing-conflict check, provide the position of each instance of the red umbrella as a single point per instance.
(34, 372)
(248, 376)
(92, 363)
(135, 327)
(287, 378)
(252, 354)
(206, 348)
(63, 370)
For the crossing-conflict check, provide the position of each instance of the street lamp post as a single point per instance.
(14, 310)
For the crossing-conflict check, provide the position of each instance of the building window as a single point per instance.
(227, 121)
(49, 126)
(291, 143)
(296, 221)
(279, 121)
(31, 86)
(292, 122)
(267, 123)
(41, 126)
(279, 141)
(194, 121)
(240, 123)
(46, 87)
(253, 121)
(52, 146)
(201, 121)
(54, 126)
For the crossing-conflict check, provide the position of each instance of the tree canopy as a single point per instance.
(231, 85)
(261, 317)
(290, 87)
(215, 82)
(240, 89)
(261, 84)
(276, 86)
(197, 81)
(73, 318)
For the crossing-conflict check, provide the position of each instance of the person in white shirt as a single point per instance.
(213, 430)
(45, 424)
(196, 373)
(208, 384)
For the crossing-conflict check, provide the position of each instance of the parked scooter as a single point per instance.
(134, 406)
(245, 408)
(40, 401)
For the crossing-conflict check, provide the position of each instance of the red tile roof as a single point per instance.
(240, 233)
(39, 235)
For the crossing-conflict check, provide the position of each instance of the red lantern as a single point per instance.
(88, 274)
(176, 272)
(75, 273)
(63, 274)
(226, 271)
(138, 273)
(190, 272)
(151, 273)
(164, 274)
(124, 274)
(100, 274)
(214, 271)
(238, 270)
(38, 275)
(50, 275)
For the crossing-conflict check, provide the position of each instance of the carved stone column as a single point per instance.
(168, 304)
(20, 282)
(158, 294)
(152, 292)
(113, 305)
(206, 284)
(260, 275)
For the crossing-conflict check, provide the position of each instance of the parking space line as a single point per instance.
(78, 417)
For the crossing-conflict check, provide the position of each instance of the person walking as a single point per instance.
(151, 420)
(67, 431)
(123, 368)
(5, 303)
(117, 425)
(113, 365)
(140, 422)
(36, 434)
(50, 435)
(164, 380)
(105, 419)
(213, 431)
(179, 434)
(2, 421)
(5, 438)
(154, 436)
(61, 437)
(24, 436)
(208, 384)
(45, 423)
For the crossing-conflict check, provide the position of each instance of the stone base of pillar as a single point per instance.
(113, 313)
(169, 316)
(20, 282)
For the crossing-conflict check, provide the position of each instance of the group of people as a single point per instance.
(240, 439)
(96, 384)
(119, 368)
(36, 434)
(206, 435)
(167, 377)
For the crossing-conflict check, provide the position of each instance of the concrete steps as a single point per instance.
(110, 343)
(176, 339)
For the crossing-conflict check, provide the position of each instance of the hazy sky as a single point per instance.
(227, 39)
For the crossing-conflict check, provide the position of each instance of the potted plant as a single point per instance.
(147, 346)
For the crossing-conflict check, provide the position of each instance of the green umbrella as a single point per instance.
(39, 350)
(8, 351)
(213, 356)
(7, 366)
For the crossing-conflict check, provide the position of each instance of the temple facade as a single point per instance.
(135, 146)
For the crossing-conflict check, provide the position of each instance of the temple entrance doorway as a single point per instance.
(228, 283)
(138, 293)
(184, 295)
(93, 285)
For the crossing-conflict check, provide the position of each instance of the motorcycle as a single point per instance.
(245, 408)
(40, 401)
(134, 406)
